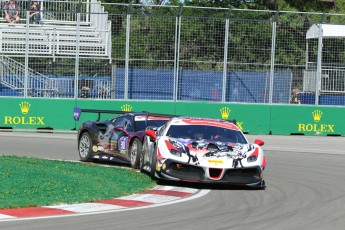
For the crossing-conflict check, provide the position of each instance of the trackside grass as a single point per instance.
(30, 182)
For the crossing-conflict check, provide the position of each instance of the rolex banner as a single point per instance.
(308, 120)
(28, 113)
(65, 114)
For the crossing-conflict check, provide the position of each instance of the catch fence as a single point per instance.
(94, 50)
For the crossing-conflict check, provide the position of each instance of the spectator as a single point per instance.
(295, 97)
(85, 92)
(35, 16)
(235, 97)
(216, 93)
(103, 92)
(195, 95)
(11, 12)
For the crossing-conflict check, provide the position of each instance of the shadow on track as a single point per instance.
(195, 185)
(210, 186)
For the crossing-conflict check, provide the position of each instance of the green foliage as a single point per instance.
(153, 36)
(29, 182)
(281, 5)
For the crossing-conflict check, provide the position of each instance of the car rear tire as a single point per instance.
(142, 155)
(135, 152)
(153, 164)
(85, 147)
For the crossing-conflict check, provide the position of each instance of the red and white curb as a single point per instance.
(159, 195)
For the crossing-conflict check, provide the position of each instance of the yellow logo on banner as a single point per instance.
(126, 108)
(317, 114)
(23, 120)
(317, 128)
(25, 107)
(225, 112)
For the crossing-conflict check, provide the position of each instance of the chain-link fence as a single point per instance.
(140, 52)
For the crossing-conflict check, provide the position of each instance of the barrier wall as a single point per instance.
(58, 114)
(308, 120)
(25, 113)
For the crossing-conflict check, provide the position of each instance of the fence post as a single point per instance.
(26, 70)
(76, 72)
(225, 64)
(177, 53)
(273, 46)
(128, 26)
(319, 62)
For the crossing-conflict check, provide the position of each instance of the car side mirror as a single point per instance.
(259, 142)
(121, 129)
(151, 134)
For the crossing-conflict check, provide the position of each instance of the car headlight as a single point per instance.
(252, 159)
(175, 153)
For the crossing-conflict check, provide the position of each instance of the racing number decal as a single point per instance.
(123, 143)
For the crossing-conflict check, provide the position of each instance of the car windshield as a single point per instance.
(141, 125)
(206, 132)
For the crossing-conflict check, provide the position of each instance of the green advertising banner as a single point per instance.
(29, 113)
(60, 114)
(252, 119)
(308, 120)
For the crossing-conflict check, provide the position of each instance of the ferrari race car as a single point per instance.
(118, 139)
(202, 150)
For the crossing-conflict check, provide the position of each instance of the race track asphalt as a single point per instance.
(304, 178)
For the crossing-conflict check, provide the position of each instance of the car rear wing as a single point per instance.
(78, 111)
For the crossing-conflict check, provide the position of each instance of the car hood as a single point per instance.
(209, 148)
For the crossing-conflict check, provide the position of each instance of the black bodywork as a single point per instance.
(118, 139)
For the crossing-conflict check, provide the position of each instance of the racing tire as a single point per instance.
(262, 185)
(85, 147)
(135, 152)
(142, 155)
(153, 164)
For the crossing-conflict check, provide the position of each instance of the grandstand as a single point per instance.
(59, 34)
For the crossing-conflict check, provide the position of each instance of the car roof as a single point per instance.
(202, 119)
(205, 121)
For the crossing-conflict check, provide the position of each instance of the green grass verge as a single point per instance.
(30, 182)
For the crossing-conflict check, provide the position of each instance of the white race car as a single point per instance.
(202, 150)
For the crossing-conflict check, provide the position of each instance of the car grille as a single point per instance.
(215, 173)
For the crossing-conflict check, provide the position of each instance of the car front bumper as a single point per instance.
(178, 171)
